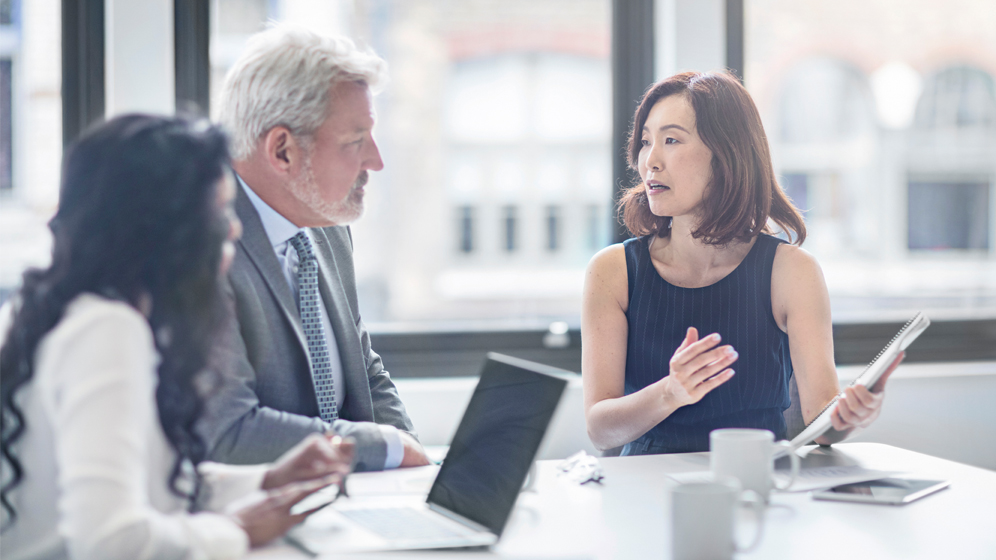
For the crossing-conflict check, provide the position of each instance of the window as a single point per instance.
(509, 223)
(465, 226)
(30, 133)
(596, 222)
(796, 187)
(8, 42)
(6, 130)
(948, 215)
(552, 228)
(958, 97)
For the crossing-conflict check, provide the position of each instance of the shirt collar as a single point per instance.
(278, 228)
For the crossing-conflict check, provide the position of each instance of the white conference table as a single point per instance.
(628, 515)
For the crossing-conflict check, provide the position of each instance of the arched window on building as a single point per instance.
(959, 97)
(952, 162)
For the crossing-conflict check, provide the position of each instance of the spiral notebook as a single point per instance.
(913, 328)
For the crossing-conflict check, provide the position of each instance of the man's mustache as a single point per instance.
(361, 180)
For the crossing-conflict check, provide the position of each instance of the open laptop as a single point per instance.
(478, 482)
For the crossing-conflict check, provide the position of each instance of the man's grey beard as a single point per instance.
(340, 212)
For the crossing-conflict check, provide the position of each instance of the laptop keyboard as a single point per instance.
(404, 523)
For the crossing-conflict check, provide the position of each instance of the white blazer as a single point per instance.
(96, 461)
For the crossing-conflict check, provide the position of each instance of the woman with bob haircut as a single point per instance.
(104, 362)
(704, 286)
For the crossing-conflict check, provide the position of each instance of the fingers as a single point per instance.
(864, 397)
(692, 350)
(856, 407)
(345, 447)
(414, 453)
(880, 384)
(287, 496)
(836, 421)
(703, 388)
(294, 519)
(691, 335)
(708, 363)
(845, 411)
(324, 455)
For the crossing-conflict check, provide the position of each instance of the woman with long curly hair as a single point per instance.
(704, 268)
(105, 369)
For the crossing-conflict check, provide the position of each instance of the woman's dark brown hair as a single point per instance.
(137, 217)
(743, 193)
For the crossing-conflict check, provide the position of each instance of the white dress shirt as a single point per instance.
(280, 230)
(96, 461)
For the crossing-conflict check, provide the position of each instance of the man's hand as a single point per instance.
(414, 454)
(317, 456)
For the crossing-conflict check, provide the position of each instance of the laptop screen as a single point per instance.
(497, 439)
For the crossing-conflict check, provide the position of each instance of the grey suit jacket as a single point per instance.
(266, 404)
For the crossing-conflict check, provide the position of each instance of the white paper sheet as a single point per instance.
(818, 478)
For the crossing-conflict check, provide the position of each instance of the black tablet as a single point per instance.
(890, 491)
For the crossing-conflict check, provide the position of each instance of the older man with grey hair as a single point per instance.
(298, 108)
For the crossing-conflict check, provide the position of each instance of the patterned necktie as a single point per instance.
(314, 332)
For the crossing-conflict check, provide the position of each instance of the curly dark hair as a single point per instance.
(744, 193)
(138, 219)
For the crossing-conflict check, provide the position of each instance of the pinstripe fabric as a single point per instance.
(314, 332)
(738, 307)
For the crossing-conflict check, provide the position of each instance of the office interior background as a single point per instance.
(502, 128)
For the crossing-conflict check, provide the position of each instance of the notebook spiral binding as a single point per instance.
(901, 332)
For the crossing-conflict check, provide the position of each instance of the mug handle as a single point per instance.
(784, 448)
(757, 504)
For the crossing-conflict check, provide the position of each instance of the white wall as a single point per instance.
(945, 410)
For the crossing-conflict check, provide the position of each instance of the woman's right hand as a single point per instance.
(265, 514)
(697, 367)
(314, 463)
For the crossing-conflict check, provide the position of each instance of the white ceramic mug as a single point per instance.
(748, 455)
(702, 519)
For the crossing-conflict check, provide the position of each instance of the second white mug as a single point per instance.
(703, 517)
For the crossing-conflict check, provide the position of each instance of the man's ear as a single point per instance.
(283, 152)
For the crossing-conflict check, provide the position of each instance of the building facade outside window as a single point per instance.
(881, 116)
(495, 132)
(881, 119)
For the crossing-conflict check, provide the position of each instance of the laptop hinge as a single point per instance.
(458, 518)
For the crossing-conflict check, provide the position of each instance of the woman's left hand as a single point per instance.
(317, 456)
(858, 407)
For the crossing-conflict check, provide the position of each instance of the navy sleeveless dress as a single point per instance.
(738, 307)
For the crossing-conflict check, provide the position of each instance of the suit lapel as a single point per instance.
(354, 368)
(258, 248)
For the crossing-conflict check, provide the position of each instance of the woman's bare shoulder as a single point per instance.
(797, 285)
(793, 261)
(612, 256)
(606, 274)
